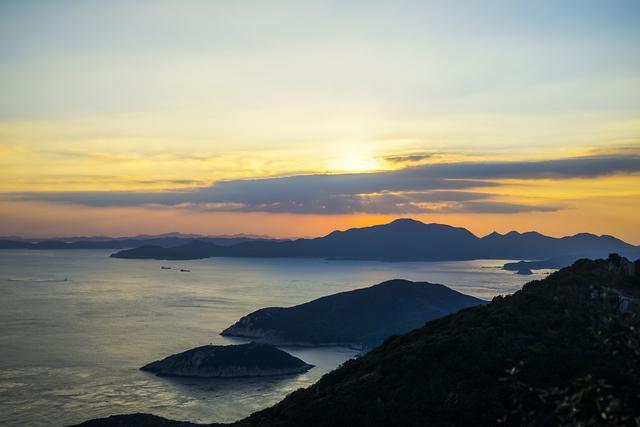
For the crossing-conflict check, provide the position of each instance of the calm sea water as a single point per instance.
(75, 326)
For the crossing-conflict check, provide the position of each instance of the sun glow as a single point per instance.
(354, 159)
(356, 164)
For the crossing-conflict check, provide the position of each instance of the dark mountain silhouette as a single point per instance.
(405, 240)
(166, 241)
(229, 361)
(562, 351)
(538, 246)
(191, 250)
(13, 244)
(362, 317)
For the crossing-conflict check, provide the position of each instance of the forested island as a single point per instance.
(361, 318)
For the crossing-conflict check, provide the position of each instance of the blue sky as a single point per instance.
(155, 97)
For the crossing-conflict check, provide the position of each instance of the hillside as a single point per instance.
(402, 240)
(562, 351)
(362, 317)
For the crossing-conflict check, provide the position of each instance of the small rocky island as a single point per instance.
(229, 361)
(524, 271)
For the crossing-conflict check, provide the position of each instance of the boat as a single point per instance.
(185, 270)
(165, 268)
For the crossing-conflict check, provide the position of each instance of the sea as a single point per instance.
(76, 325)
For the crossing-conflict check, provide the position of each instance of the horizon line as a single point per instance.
(186, 235)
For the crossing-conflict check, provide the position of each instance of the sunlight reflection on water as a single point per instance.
(76, 325)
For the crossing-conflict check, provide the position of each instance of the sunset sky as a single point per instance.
(294, 118)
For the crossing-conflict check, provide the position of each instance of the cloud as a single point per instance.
(577, 167)
(630, 147)
(498, 207)
(450, 187)
(132, 157)
(408, 159)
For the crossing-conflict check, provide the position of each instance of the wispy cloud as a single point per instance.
(441, 188)
(110, 157)
(408, 159)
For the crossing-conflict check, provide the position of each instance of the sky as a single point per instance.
(295, 118)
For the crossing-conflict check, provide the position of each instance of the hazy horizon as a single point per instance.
(250, 235)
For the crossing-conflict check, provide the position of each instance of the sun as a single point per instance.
(357, 164)
(354, 159)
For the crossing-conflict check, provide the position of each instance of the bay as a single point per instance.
(76, 325)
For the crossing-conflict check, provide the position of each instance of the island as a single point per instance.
(524, 271)
(229, 361)
(361, 318)
(561, 351)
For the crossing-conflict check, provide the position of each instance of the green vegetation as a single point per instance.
(558, 352)
(562, 351)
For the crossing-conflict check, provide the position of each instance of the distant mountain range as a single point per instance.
(362, 317)
(101, 242)
(400, 240)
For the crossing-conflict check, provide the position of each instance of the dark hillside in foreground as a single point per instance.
(362, 317)
(402, 240)
(562, 351)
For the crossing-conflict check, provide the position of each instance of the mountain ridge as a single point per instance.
(407, 240)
